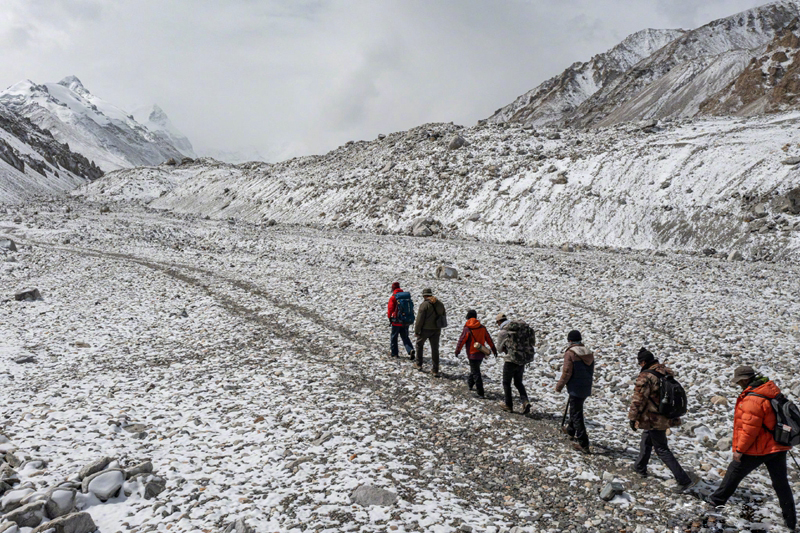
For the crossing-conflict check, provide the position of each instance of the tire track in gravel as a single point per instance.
(542, 428)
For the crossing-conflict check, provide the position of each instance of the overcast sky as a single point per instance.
(296, 77)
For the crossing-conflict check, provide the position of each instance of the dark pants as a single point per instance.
(475, 378)
(776, 466)
(431, 335)
(577, 426)
(657, 438)
(402, 332)
(513, 372)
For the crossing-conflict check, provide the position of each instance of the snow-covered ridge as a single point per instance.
(692, 185)
(33, 163)
(674, 80)
(93, 127)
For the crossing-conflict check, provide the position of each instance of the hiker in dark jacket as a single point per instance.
(427, 328)
(577, 375)
(512, 371)
(753, 442)
(398, 328)
(474, 332)
(643, 414)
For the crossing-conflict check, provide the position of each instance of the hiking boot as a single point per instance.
(639, 472)
(526, 407)
(418, 367)
(681, 489)
(480, 396)
(581, 448)
(412, 355)
(711, 505)
(436, 373)
(506, 408)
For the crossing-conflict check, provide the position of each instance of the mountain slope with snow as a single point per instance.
(33, 163)
(701, 184)
(672, 81)
(155, 120)
(91, 126)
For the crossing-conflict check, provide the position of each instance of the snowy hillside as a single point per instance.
(32, 163)
(724, 184)
(672, 81)
(91, 126)
(155, 120)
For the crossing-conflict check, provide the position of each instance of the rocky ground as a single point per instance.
(250, 365)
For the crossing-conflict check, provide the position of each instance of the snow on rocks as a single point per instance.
(265, 373)
(28, 295)
(367, 495)
(104, 485)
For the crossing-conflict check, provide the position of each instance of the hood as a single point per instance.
(474, 323)
(768, 389)
(398, 289)
(583, 353)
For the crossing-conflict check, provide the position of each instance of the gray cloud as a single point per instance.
(296, 77)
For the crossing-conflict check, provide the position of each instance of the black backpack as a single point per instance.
(672, 398)
(787, 416)
(521, 342)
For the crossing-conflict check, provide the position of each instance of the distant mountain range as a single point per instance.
(740, 65)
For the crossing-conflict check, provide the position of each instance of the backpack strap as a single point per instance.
(763, 425)
(659, 376)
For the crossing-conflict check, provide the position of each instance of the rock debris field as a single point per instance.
(249, 367)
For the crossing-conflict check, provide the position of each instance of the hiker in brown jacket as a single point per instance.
(577, 375)
(428, 326)
(643, 414)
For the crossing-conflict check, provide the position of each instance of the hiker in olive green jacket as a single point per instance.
(428, 326)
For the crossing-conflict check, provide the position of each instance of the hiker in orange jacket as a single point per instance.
(474, 332)
(753, 443)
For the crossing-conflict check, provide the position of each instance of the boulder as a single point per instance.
(25, 359)
(381, 136)
(30, 515)
(171, 161)
(104, 485)
(735, 255)
(610, 490)
(7, 472)
(708, 252)
(567, 248)
(187, 161)
(422, 231)
(724, 444)
(474, 217)
(12, 499)
(142, 468)
(446, 272)
(28, 295)
(760, 210)
(238, 526)
(94, 467)
(367, 495)
(72, 523)
(457, 142)
(105, 209)
(791, 161)
(8, 244)
(719, 400)
(9, 527)
(154, 486)
(561, 179)
(60, 501)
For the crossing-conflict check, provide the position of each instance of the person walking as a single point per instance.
(431, 318)
(475, 333)
(513, 368)
(400, 319)
(577, 375)
(643, 414)
(753, 443)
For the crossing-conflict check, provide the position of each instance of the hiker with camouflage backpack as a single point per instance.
(645, 414)
(517, 341)
(755, 442)
(401, 316)
(577, 375)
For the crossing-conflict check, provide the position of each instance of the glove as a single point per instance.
(633, 425)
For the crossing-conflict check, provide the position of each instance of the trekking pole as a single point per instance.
(564, 419)
(794, 459)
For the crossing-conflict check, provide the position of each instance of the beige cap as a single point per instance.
(743, 372)
(500, 317)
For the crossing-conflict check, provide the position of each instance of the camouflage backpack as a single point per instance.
(521, 342)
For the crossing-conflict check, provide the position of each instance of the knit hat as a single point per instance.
(743, 372)
(395, 285)
(500, 317)
(427, 292)
(574, 336)
(472, 314)
(645, 356)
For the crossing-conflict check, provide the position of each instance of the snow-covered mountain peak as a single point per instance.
(156, 120)
(94, 127)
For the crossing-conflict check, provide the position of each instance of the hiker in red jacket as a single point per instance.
(753, 444)
(398, 328)
(475, 333)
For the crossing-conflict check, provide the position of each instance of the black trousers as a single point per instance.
(513, 372)
(431, 335)
(402, 332)
(577, 426)
(776, 466)
(657, 438)
(475, 378)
